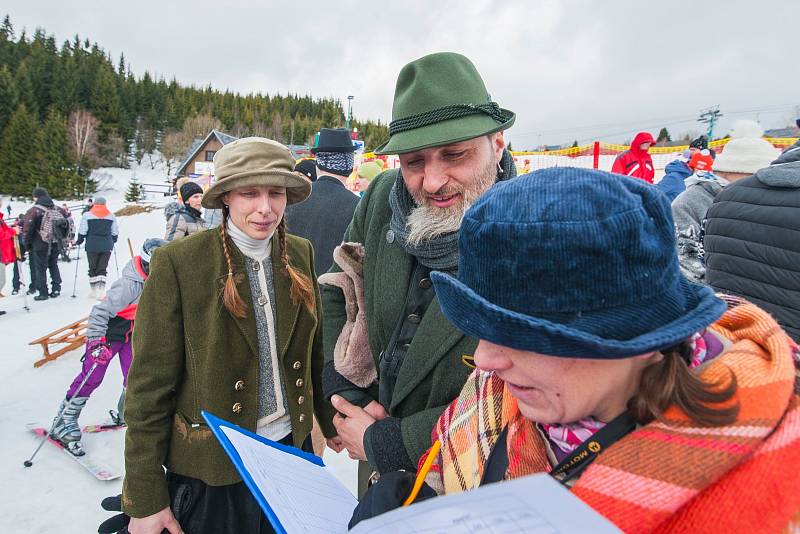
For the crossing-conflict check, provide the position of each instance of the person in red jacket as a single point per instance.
(636, 162)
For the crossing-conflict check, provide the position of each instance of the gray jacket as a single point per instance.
(212, 217)
(688, 211)
(182, 224)
(105, 319)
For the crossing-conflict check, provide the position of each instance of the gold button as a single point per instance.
(299, 383)
(301, 399)
(239, 385)
(237, 407)
(301, 418)
(262, 300)
(296, 365)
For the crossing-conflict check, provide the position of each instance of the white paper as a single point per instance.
(305, 497)
(534, 505)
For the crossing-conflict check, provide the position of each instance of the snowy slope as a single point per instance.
(56, 494)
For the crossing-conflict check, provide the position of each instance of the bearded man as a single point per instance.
(448, 135)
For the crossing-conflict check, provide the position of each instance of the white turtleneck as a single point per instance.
(277, 425)
(257, 249)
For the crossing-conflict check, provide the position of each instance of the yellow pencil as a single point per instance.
(426, 467)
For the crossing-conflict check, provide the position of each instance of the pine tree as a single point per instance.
(55, 165)
(19, 154)
(7, 29)
(64, 89)
(25, 94)
(8, 96)
(135, 191)
(6, 41)
(41, 67)
(663, 135)
(105, 102)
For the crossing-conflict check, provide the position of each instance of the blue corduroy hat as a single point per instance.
(574, 263)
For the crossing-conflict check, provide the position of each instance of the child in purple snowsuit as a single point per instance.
(108, 334)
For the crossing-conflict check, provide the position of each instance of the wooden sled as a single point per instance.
(72, 335)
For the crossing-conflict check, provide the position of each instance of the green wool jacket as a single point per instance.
(191, 354)
(433, 371)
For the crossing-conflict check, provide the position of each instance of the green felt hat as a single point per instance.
(441, 99)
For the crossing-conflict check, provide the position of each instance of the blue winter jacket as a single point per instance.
(672, 183)
(99, 228)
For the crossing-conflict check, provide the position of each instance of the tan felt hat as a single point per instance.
(255, 161)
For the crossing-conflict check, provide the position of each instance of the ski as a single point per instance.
(102, 427)
(98, 469)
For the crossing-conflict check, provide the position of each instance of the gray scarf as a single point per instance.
(439, 253)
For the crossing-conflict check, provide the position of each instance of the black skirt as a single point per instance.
(203, 509)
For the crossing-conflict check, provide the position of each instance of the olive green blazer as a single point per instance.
(191, 354)
(433, 371)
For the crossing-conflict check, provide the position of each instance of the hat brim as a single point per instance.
(297, 186)
(445, 133)
(477, 317)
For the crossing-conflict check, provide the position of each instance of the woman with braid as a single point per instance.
(230, 325)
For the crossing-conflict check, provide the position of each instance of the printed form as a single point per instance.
(534, 505)
(304, 496)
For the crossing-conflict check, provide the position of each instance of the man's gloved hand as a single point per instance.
(117, 524)
(99, 351)
(391, 490)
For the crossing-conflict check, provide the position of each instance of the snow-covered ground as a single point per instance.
(56, 494)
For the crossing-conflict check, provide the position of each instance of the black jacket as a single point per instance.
(752, 240)
(32, 220)
(323, 218)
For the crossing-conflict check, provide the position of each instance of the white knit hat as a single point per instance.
(747, 151)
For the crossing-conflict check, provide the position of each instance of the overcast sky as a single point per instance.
(570, 69)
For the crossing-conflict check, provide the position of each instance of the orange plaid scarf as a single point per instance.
(672, 475)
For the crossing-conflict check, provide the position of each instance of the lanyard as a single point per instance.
(574, 464)
(579, 459)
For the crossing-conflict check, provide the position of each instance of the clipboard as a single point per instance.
(224, 431)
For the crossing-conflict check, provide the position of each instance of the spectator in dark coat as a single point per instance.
(307, 167)
(672, 184)
(636, 162)
(752, 240)
(44, 256)
(325, 215)
(744, 154)
(99, 229)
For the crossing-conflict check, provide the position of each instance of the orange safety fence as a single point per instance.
(598, 155)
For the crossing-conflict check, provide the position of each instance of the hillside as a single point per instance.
(66, 109)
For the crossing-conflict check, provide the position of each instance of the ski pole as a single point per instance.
(77, 263)
(23, 286)
(116, 263)
(29, 461)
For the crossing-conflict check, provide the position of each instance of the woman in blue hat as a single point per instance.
(657, 403)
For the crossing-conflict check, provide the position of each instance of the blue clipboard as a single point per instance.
(215, 424)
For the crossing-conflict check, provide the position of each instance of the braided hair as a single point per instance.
(302, 290)
(231, 298)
